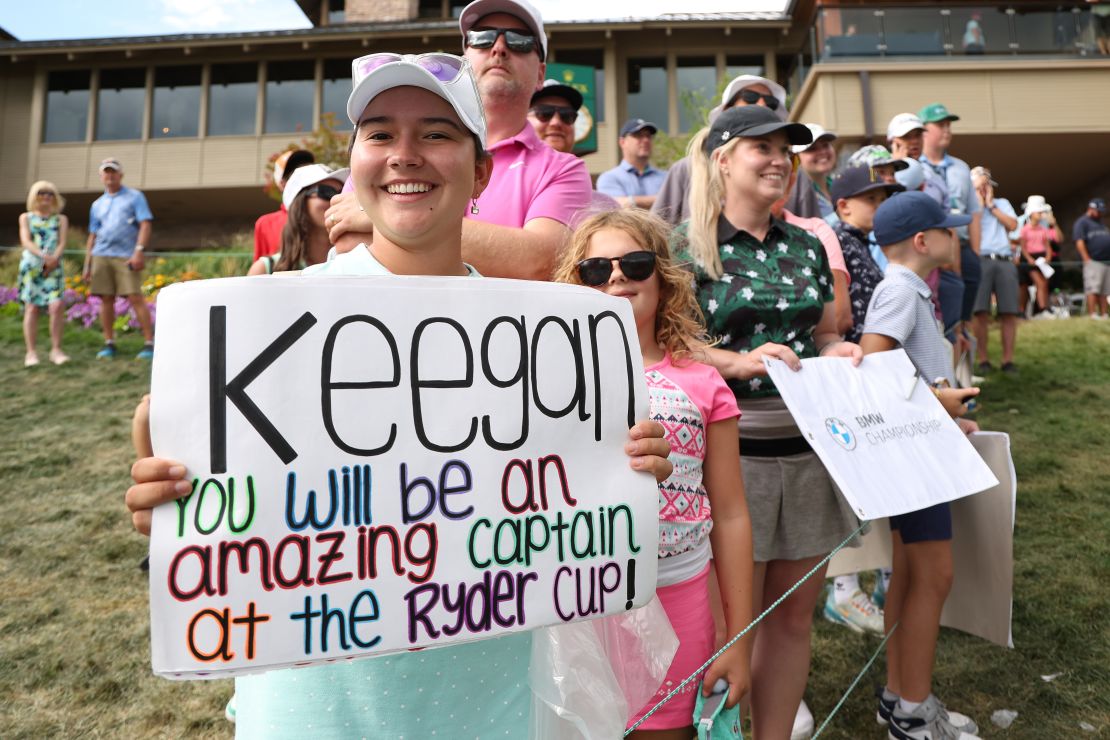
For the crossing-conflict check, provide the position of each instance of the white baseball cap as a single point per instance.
(902, 124)
(818, 132)
(521, 9)
(745, 81)
(308, 175)
(446, 75)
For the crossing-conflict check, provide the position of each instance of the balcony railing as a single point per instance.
(1001, 29)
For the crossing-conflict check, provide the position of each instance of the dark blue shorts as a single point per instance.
(933, 524)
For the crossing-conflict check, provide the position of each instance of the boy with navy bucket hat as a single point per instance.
(917, 236)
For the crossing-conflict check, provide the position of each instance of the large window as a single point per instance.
(742, 65)
(176, 102)
(647, 90)
(290, 87)
(697, 90)
(119, 104)
(337, 12)
(67, 106)
(337, 87)
(232, 99)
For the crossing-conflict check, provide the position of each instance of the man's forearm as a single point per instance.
(144, 234)
(503, 251)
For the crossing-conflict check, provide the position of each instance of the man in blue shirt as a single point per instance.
(634, 182)
(119, 229)
(998, 268)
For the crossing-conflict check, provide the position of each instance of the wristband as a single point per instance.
(139, 247)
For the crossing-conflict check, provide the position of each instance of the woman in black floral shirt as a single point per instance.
(766, 290)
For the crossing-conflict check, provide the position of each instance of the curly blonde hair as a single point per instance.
(679, 324)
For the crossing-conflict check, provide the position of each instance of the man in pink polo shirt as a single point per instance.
(523, 217)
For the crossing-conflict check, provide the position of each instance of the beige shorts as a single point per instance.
(1096, 278)
(112, 276)
(795, 509)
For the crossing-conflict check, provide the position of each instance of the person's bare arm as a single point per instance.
(975, 231)
(25, 239)
(829, 342)
(1009, 223)
(636, 201)
(501, 251)
(871, 343)
(1081, 247)
(747, 365)
(137, 257)
(842, 304)
(258, 268)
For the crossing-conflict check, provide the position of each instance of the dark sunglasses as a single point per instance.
(751, 97)
(327, 192)
(521, 43)
(546, 112)
(51, 193)
(636, 266)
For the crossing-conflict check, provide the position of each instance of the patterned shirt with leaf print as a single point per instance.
(774, 290)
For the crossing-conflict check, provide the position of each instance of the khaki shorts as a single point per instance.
(795, 509)
(1096, 278)
(112, 276)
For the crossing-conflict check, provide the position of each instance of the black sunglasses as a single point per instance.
(751, 97)
(51, 193)
(636, 266)
(485, 38)
(327, 192)
(546, 112)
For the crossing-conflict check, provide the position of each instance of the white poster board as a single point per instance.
(386, 463)
(881, 433)
(981, 600)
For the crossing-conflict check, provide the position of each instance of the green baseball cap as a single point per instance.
(936, 112)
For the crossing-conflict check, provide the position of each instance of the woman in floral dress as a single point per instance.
(42, 232)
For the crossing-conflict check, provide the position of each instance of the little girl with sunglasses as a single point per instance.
(702, 510)
(304, 239)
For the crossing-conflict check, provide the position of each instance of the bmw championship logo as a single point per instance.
(840, 432)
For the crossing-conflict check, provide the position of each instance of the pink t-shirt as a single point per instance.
(826, 235)
(686, 399)
(1036, 239)
(530, 180)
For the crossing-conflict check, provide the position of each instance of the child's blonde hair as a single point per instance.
(679, 326)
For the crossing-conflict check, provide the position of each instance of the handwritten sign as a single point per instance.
(881, 433)
(384, 463)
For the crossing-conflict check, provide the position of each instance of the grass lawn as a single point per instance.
(74, 637)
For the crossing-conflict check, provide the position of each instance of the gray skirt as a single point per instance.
(796, 510)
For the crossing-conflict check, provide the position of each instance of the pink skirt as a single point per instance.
(687, 606)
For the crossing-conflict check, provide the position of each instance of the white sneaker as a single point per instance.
(803, 723)
(930, 721)
(858, 614)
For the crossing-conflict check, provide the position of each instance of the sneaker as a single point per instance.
(984, 367)
(1009, 368)
(857, 614)
(878, 594)
(31, 359)
(888, 700)
(107, 352)
(803, 723)
(146, 353)
(58, 357)
(930, 721)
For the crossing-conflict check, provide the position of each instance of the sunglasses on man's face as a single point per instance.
(546, 112)
(47, 193)
(327, 192)
(522, 43)
(751, 97)
(636, 266)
